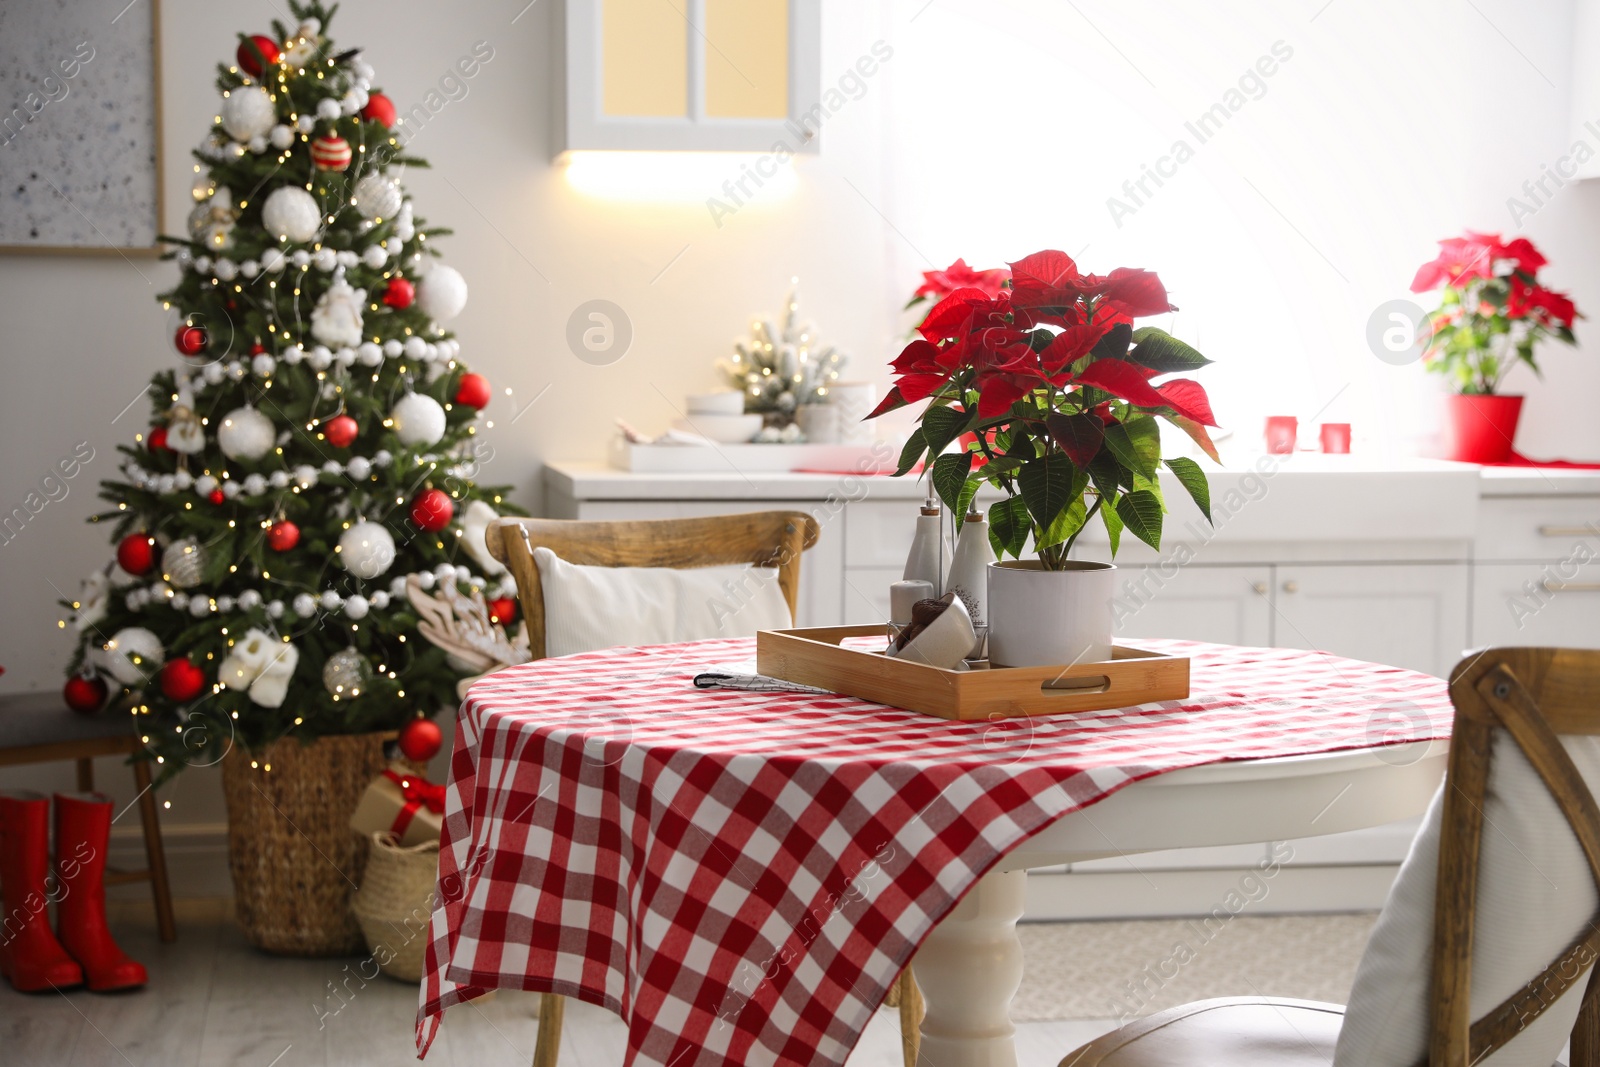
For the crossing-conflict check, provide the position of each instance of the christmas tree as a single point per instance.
(315, 446)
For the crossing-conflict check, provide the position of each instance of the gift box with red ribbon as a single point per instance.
(402, 803)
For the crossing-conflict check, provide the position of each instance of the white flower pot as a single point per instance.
(1040, 618)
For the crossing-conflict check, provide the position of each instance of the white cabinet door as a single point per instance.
(1556, 603)
(1228, 605)
(1411, 615)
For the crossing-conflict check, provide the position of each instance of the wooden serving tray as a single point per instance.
(814, 657)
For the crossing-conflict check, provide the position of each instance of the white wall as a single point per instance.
(999, 127)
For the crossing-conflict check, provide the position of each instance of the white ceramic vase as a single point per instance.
(1040, 618)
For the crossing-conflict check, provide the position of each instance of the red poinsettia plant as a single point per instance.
(1050, 393)
(1492, 309)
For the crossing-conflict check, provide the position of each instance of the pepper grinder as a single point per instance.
(969, 573)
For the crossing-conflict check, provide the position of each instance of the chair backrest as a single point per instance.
(1534, 695)
(763, 538)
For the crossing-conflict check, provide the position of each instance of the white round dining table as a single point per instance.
(970, 966)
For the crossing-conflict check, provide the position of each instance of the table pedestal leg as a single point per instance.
(969, 968)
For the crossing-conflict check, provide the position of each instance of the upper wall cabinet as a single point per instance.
(676, 75)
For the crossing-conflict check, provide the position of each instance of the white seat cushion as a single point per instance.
(1535, 895)
(586, 608)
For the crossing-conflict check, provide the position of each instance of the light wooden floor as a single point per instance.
(213, 1000)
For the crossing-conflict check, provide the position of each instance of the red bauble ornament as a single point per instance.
(216, 496)
(503, 610)
(282, 535)
(341, 431)
(248, 62)
(190, 340)
(181, 680)
(399, 293)
(84, 693)
(379, 109)
(330, 152)
(257, 348)
(157, 439)
(432, 510)
(137, 554)
(473, 391)
(420, 740)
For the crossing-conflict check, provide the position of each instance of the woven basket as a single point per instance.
(294, 861)
(395, 904)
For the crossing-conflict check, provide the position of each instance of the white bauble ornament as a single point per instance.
(183, 563)
(199, 605)
(330, 601)
(280, 137)
(305, 605)
(257, 144)
(377, 197)
(300, 258)
(274, 609)
(369, 355)
(442, 293)
(132, 656)
(305, 475)
(248, 112)
(356, 606)
(418, 419)
(374, 256)
(414, 347)
(204, 484)
(325, 259)
(392, 347)
(290, 213)
(328, 108)
(305, 123)
(380, 599)
(263, 365)
(366, 550)
(344, 673)
(336, 320)
(213, 373)
(320, 358)
(254, 485)
(249, 268)
(245, 433)
(358, 468)
(249, 600)
(273, 261)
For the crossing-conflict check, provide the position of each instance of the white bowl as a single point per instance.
(727, 402)
(724, 429)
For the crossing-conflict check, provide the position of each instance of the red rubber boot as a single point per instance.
(83, 833)
(31, 958)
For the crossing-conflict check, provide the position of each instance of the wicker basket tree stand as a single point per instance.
(294, 860)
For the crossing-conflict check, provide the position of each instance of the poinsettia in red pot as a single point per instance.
(1492, 311)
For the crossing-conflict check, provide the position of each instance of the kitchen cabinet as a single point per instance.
(1411, 615)
(1228, 605)
(688, 75)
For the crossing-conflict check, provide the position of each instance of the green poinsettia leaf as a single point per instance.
(1193, 479)
(1140, 512)
(1009, 526)
(950, 477)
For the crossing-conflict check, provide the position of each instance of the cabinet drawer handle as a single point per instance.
(1567, 531)
(1570, 587)
(1291, 586)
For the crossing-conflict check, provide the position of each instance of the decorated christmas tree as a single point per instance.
(315, 446)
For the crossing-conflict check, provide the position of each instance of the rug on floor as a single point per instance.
(1107, 970)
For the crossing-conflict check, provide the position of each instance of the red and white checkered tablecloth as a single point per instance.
(740, 876)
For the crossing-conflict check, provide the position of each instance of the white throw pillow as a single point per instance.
(586, 608)
(1535, 895)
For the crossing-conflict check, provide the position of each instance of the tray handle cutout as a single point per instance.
(1076, 685)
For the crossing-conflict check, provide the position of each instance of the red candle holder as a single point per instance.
(1282, 433)
(1336, 437)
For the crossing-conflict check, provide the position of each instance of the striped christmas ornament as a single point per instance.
(330, 152)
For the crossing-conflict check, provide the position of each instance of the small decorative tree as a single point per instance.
(315, 446)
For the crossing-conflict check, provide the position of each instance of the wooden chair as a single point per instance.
(1534, 694)
(39, 728)
(764, 538)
